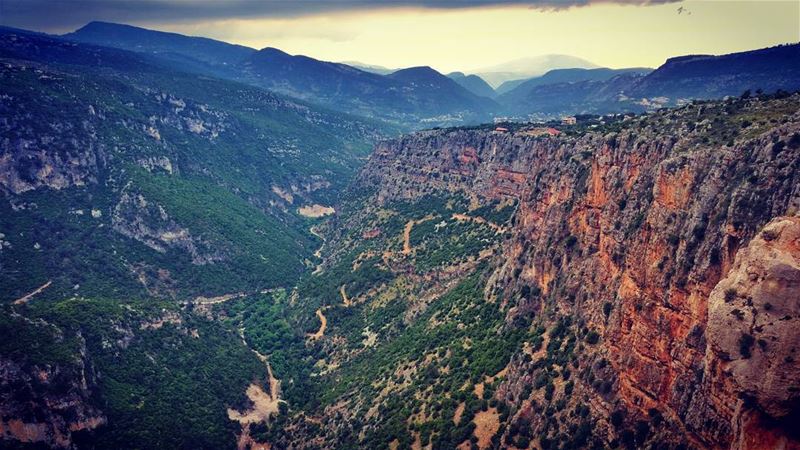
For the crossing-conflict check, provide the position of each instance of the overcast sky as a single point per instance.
(445, 34)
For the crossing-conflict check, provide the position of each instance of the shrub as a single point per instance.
(607, 306)
(617, 417)
(746, 342)
(570, 241)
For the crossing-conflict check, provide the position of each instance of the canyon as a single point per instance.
(675, 245)
(195, 262)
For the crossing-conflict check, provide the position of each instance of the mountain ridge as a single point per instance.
(332, 85)
(473, 83)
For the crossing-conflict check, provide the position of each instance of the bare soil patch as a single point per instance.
(26, 298)
(479, 390)
(315, 211)
(486, 425)
(323, 325)
(458, 413)
(264, 405)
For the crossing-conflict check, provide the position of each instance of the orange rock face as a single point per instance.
(754, 332)
(629, 234)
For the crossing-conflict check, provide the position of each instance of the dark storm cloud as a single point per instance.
(60, 15)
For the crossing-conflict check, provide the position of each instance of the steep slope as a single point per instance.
(706, 76)
(472, 83)
(121, 179)
(572, 291)
(431, 97)
(182, 185)
(522, 88)
(188, 52)
(105, 374)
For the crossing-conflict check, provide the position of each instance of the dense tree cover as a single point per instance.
(265, 321)
(446, 241)
(35, 343)
(227, 146)
(472, 342)
(164, 377)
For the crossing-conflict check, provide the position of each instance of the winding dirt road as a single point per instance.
(323, 325)
(345, 300)
(26, 298)
(407, 233)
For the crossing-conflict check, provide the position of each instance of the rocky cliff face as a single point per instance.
(753, 332)
(46, 401)
(670, 239)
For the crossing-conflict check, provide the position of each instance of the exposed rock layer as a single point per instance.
(630, 232)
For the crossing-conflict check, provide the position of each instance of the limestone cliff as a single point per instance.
(643, 232)
(45, 393)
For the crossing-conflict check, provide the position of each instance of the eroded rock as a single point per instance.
(754, 318)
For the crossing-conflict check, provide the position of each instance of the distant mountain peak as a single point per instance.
(531, 67)
(188, 51)
(417, 74)
(473, 83)
(418, 69)
(272, 51)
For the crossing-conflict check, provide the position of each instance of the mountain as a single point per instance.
(677, 81)
(141, 156)
(573, 91)
(507, 86)
(380, 70)
(534, 66)
(564, 76)
(333, 85)
(188, 52)
(431, 88)
(473, 83)
(408, 95)
(580, 97)
(706, 76)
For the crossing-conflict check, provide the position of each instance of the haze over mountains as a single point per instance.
(533, 66)
(541, 87)
(204, 245)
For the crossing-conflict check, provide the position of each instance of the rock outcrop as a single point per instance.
(754, 321)
(148, 222)
(628, 231)
(46, 403)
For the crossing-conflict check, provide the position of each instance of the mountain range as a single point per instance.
(209, 246)
(333, 85)
(546, 86)
(530, 67)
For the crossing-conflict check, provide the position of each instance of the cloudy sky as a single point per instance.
(445, 34)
